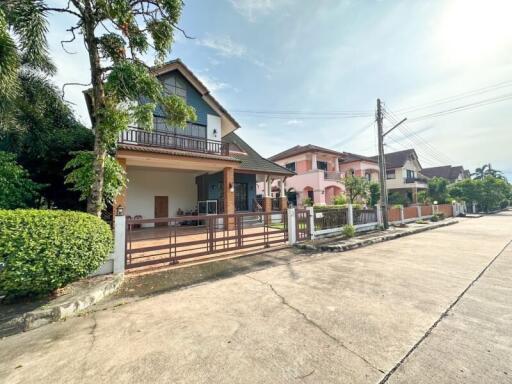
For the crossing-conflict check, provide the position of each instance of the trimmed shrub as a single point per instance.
(339, 200)
(349, 231)
(434, 218)
(42, 250)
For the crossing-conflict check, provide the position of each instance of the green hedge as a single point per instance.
(42, 250)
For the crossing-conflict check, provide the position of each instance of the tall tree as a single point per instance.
(356, 188)
(17, 191)
(117, 34)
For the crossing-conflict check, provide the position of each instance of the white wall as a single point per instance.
(213, 123)
(144, 184)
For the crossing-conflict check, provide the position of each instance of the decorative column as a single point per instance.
(119, 244)
(121, 198)
(337, 165)
(418, 207)
(292, 234)
(313, 162)
(267, 199)
(350, 215)
(283, 199)
(402, 217)
(229, 196)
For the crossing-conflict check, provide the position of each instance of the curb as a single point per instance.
(363, 243)
(35, 319)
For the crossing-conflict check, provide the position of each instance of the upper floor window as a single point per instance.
(350, 172)
(321, 165)
(410, 174)
(368, 176)
(173, 85)
(390, 174)
(191, 130)
(290, 166)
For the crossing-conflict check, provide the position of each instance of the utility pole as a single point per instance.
(382, 167)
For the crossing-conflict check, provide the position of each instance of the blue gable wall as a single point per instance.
(194, 99)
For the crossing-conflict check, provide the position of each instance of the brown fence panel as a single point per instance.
(302, 224)
(394, 214)
(169, 240)
(447, 209)
(330, 218)
(426, 210)
(364, 216)
(410, 212)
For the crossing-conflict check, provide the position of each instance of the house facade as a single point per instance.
(452, 174)
(319, 172)
(404, 174)
(205, 168)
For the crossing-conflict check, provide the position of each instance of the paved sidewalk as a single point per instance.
(346, 317)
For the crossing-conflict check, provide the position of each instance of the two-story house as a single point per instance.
(319, 172)
(452, 174)
(205, 167)
(404, 174)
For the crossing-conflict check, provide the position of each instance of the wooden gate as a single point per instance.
(164, 241)
(302, 224)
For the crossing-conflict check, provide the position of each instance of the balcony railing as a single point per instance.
(410, 180)
(136, 136)
(331, 175)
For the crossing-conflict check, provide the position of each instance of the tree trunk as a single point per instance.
(95, 202)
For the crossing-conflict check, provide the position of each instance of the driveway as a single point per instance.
(435, 307)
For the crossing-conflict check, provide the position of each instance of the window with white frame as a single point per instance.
(290, 166)
(390, 174)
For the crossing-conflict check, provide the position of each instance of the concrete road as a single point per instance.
(434, 307)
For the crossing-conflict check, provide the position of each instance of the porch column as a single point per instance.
(121, 198)
(267, 199)
(313, 162)
(229, 196)
(283, 199)
(337, 165)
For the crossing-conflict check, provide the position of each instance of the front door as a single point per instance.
(161, 208)
(241, 197)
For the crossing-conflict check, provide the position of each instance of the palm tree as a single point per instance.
(481, 172)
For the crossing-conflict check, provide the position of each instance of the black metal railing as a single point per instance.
(410, 180)
(330, 218)
(173, 141)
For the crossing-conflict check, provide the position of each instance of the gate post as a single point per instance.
(292, 227)
(418, 207)
(474, 207)
(119, 244)
(379, 214)
(350, 215)
(311, 212)
(402, 217)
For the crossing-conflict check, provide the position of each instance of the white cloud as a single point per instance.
(253, 8)
(223, 45)
(294, 122)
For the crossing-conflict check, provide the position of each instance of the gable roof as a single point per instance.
(445, 171)
(398, 159)
(298, 149)
(178, 65)
(350, 157)
(250, 159)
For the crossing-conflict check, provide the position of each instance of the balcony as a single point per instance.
(412, 180)
(331, 175)
(135, 136)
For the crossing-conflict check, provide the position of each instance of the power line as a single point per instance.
(465, 107)
(460, 96)
(358, 132)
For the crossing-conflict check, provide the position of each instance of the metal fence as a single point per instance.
(330, 218)
(153, 242)
(364, 216)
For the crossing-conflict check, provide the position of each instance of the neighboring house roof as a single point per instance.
(350, 157)
(250, 159)
(398, 159)
(299, 149)
(445, 171)
(172, 65)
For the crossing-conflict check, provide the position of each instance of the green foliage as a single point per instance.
(339, 200)
(374, 190)
(434, 218)
(396, 198)
(423, 197)
(44, 250)
(42, 137)
(307, 202)
(349, 231)
(504, 203)
(356, 188)
(437, 190)
(81, 176)
(9, 63)
(487, 192)
(16, 188)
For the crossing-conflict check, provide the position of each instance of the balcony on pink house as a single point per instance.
(319, 172)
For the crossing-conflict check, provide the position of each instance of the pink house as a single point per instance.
(319, 172)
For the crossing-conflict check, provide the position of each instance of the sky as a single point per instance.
(309, 72)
